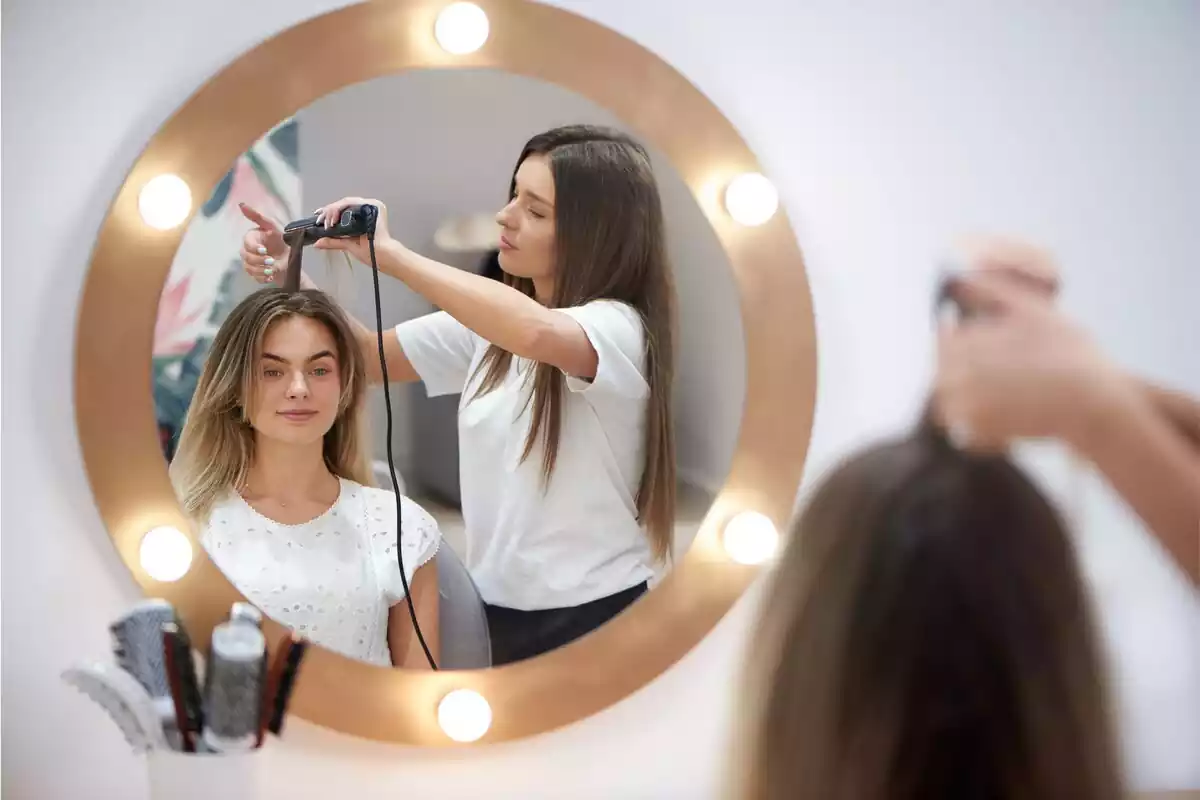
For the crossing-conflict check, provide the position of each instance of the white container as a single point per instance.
(204, 776)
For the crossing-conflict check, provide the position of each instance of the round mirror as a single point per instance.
(521, 560)
(439, 148)
(682, 413)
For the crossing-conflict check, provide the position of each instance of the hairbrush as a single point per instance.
(284, 671)
(185, 691)
(233, 685)
(138, 649)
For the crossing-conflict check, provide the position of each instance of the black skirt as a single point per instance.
(517, 635)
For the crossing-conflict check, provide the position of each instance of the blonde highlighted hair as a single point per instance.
(216, 446)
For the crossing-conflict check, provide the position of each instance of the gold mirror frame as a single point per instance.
(273, 81)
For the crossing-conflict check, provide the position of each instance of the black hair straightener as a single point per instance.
(354, 221)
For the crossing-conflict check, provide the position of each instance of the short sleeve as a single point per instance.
(440, 349)
(618, 335)
(420, 541)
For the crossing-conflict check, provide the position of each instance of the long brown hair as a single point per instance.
(216, 446)
(927, 635)
(610, 245)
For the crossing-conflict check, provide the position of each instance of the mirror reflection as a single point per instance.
(564, 356)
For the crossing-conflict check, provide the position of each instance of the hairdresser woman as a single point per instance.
(565, 434)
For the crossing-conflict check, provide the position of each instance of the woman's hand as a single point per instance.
(1021, 264)
(1021, 370)
(357, 247)
(264, 253)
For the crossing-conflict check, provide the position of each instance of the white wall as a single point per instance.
(888, 130)
(447, 143)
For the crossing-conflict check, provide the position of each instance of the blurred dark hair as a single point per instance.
(489, 266)
(927, 634)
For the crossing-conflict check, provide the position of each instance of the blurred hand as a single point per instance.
(1021, 264)
(264, 253)
(357, 247)
(1021, 370)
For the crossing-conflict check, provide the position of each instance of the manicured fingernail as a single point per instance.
(270, 262)
(262, 251)
(268, 272)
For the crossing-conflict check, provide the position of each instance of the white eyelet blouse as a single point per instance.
(332, 579)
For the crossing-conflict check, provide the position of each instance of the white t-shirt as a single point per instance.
(574, 540)
(333, 578)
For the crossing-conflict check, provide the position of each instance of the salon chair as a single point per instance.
(462, 620)
(379, 470)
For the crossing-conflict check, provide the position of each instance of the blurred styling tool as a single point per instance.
(185, 690)
(137, 642)
(281, 677)
(153, 693)
(233, 686)
(949, 311)
(245, 612)
(946, 305)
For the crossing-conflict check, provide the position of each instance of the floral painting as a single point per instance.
(206, 279)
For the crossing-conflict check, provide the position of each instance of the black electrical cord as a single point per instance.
(304, 232)
(373, 214)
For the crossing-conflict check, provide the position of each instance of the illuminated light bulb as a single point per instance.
(751, 199)
(164, 202)
(750, 538)
(464, 715)
(166, 554)
(461, 28)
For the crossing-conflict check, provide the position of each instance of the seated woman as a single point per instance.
(927, 635)
(273, 466)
